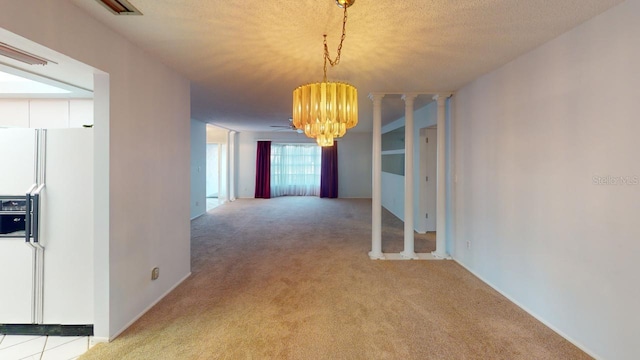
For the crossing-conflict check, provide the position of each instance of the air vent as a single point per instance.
(20, 55)
(120, 7)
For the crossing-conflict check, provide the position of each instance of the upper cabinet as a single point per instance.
(46, 113)
(80, 113)
(14, 113)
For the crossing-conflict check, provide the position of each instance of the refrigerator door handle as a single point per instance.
(27, 217)
(35, 209)
(27, 220)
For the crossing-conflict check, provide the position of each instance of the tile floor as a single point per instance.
(22, 347)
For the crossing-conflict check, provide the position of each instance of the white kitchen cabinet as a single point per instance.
(14, 113)
(48, 114)
(80, 112)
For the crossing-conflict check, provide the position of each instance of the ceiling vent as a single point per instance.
(120, 7)
(20, 55)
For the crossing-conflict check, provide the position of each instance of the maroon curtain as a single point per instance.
(329, 171)
(263, 170)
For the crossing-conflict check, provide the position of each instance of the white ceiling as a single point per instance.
(244, 58)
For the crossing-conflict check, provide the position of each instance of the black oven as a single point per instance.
(13, 214)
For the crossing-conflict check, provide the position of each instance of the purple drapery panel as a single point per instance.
(263, 170)
(329, 171)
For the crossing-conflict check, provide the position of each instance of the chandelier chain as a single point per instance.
(326, 48)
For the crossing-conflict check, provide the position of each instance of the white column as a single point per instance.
(227, 166)
(376, 179)
(221, 174)
(409, 252)
(441, 220)
(232, 165)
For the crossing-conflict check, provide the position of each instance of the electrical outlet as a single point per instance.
(155, 273)
(468, 244)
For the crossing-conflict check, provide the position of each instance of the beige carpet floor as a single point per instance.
(289, 278)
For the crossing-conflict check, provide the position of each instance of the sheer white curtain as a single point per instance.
(295, 169)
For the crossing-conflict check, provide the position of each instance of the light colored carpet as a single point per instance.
(289, 278)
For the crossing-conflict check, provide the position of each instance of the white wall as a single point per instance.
(354, 161)
(354, 165)
(392, 184)
(393, 194)
(198, 168)
(530, 139)
(148, 152)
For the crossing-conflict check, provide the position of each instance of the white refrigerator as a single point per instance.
(46, 237)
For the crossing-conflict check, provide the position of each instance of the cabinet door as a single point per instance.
(80, 112)
(48, 114)
(14, 113)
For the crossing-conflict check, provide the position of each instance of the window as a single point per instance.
(295, 169)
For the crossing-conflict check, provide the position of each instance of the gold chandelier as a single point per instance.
(325, 110)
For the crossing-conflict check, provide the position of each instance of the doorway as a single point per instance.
(56, 107)
(216, 167)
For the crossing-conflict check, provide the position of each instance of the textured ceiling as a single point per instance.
(244, 58)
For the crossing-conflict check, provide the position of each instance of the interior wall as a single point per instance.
(427, 188)
(547, 193)
(101, 207)
(148, 153)
(198, 168)
(354, 165)
(354, 161)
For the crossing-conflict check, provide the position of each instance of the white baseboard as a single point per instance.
(96, 340)
(419, 256)
(536, 316)
(112, 337)
(197, 216)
